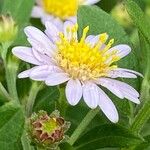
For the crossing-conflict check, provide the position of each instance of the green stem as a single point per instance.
(32, 96)
(144, 114)
(25, 142)
(141, 118)
(11, 73)
(4, 93)
(83, 125)
(62, 101)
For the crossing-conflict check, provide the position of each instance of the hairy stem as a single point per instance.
(11, 67)
(11, 81)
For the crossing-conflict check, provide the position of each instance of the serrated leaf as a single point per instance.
(11, 126)
(106, 136)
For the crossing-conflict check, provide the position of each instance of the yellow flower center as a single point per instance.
(83, 61)
(50, 125)
(61, 8)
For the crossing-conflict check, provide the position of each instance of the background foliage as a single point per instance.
(100, 134)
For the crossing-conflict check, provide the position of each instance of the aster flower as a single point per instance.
(86, 64)
(57, 11)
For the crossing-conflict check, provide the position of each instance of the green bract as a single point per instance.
(8, 29)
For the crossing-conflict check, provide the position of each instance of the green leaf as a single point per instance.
(107, 135)
(66, 146)
(139, 19)
(1, 3)
(107, 5)
(75, 118)
(101, 22)
(141, 3)
(143, 25)
(21, 12)
(11, 126)
(46, 99)
(144, 145)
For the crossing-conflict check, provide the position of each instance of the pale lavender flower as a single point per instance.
(86, 65)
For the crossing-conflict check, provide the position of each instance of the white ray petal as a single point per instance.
(41, 48)
(43, 58)
(122, 50)
(130, 71)
(26, 73)
(56, 79)
(127, 91)
(90, 2)
(91, 94)
(58, 23)
(52, 31)
(124, 85)
(38, 39)
(42, 72)
(25, 54)
(73, 19)
(110, 86)
(37, 12)
(73, 91)
(89, 38)
(131, 97)
(108, 107)
(93, 40)
(120, 74)
(47, 17)
(68, 34)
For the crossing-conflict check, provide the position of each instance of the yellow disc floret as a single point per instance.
(81, 59)
(61, 8)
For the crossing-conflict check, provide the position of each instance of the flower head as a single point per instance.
(47, 131)
(83, 63)
(57, 11)
(8, 29)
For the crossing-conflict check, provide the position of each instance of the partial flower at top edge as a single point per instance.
(49, 10)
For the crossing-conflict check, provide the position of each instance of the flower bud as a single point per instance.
(47, 131)
(8, 29)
